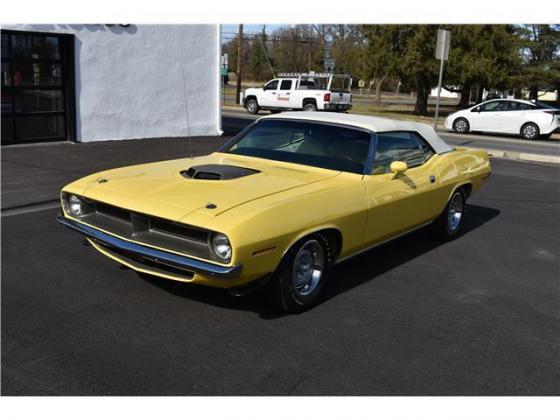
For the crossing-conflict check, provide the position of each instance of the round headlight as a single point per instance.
(75, 205)
(221, 245)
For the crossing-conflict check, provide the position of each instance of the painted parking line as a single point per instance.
(30, 209)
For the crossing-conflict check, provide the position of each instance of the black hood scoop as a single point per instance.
(217, 172)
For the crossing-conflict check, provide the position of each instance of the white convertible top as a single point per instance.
(376, 124)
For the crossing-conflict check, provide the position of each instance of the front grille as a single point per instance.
(112, 211)
(150, 230)
(147, 263)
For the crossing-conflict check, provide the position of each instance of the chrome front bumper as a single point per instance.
(187, 263)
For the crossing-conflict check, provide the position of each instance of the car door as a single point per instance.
(270, 92)
(400, 203)
(487, 116)
(284, 97)
(515, 115)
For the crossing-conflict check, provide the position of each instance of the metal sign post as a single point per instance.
(224, 73)
(442, 53)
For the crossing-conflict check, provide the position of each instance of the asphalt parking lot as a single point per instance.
(477, 316)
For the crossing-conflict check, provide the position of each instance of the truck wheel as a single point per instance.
(303, 272)
(252, 106)
(310, 107)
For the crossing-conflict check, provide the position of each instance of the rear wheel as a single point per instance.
(530, 131)
(461, 125)
(252, 106)
(450, 223)
(303, 272)
(310, 107)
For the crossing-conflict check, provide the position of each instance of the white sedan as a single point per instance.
(530, 120)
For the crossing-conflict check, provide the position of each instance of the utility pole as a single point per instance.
(239, 68)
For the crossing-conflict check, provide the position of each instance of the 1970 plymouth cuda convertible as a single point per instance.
(280, 203)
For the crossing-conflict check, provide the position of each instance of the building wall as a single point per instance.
(444, 93)
(131, 82)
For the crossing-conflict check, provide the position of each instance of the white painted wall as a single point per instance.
(131, 82)
(444, 93)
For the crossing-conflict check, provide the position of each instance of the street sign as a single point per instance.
(442, 46)
(329, 64)
(327, 52)
(224, 61)
(223, 71)
(442, 53)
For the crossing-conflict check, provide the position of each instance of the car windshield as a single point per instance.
(307, 143)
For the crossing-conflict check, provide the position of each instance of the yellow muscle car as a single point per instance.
(281, 203)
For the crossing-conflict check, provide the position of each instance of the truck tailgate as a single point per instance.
(341, 97)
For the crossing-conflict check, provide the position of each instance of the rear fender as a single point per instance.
(472, 166)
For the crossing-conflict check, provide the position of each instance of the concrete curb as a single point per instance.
(530, 157)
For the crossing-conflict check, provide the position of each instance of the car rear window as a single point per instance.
(308, 143)
(520, 106)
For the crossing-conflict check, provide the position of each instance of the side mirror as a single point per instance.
(398, 167)
(477, 109)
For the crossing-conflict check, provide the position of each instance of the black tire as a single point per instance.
(530, 131)
(461, 126)
(252, 106)
(447, 226)
(310, 106)
(291, 297)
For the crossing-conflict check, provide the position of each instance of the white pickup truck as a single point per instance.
(301, 91)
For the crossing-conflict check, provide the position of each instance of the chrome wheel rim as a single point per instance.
(309, 108)
(308, 268)
(455, 212)
(251, 106)
(530, 131)
(460, 126)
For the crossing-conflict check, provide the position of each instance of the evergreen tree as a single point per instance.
(540, 53)
(258, 63)
(481, 56)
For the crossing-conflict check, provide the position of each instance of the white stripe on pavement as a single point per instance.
(31, 209)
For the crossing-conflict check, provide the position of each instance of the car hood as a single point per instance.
(163, 189)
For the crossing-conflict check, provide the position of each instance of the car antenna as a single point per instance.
(187, 113)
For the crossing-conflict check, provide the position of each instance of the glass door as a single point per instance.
(37, 87)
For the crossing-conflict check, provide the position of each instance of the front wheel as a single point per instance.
(252, 106)
(530, 131)
(450, 223)
(303, 272)
(461, 126)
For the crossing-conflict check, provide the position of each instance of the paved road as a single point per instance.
(478, 316)
(233, 122)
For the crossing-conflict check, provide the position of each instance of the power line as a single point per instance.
(256, 37)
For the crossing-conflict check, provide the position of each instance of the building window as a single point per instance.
(37, 87)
